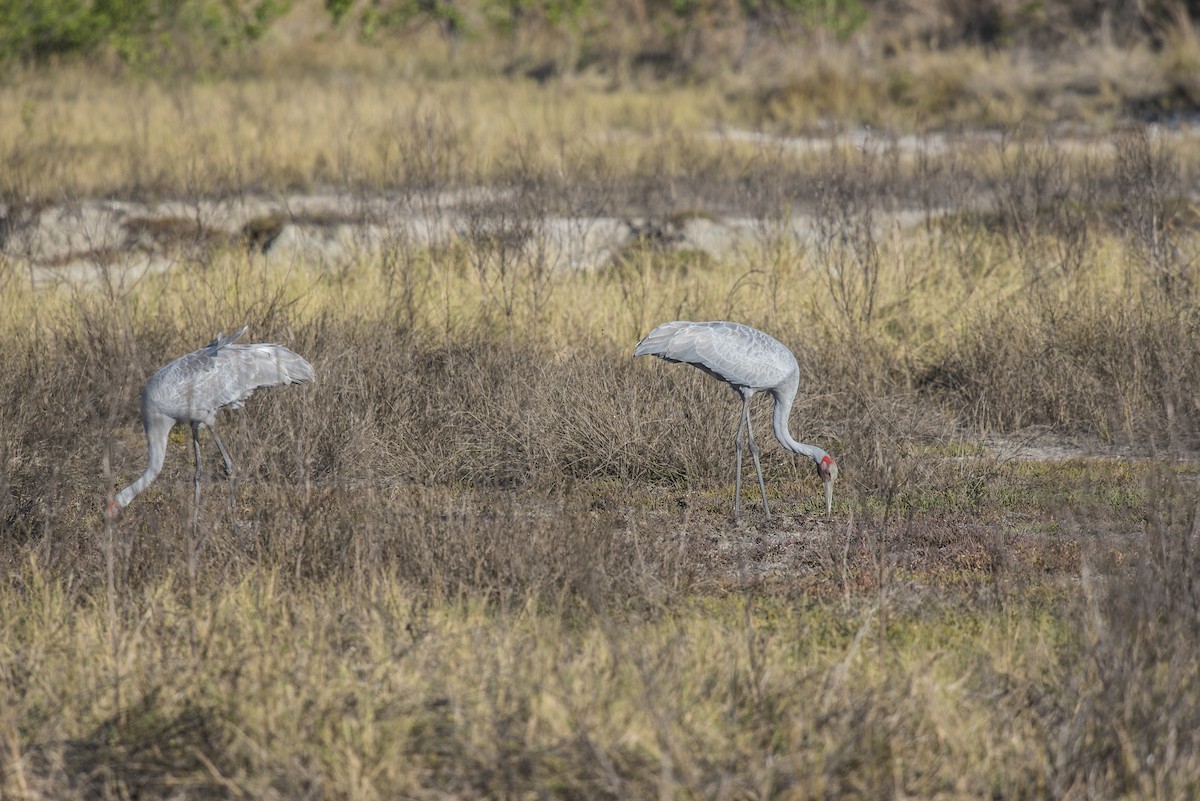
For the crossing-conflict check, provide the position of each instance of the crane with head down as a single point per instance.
(193, 388)
(749, 361)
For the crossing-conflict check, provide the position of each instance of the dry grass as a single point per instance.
(286, 131)
(316, 111)
(361, 692)
(487, 554)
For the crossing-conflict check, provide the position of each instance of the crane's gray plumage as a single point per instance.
(193, 388)
(749, 361)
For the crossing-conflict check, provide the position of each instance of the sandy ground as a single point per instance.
(121, 241)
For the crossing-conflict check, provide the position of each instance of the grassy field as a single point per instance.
(488, 554)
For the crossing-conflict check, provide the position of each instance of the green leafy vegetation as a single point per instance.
(144, 34)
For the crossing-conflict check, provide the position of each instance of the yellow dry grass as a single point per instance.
(295, 657)
(371, 692)
(73, 133)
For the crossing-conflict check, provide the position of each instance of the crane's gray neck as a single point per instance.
(157, 431)
(783, 411)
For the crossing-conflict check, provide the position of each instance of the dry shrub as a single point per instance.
(1108, 369)
(1047, 202)
(508, 469)
(1128, 721)
(398, 458)
(140, 752)
(847, 234)
(1098, 339)
(1153, 213)
(411, 454)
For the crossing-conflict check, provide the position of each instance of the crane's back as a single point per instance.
(220, 375)
(743, 357)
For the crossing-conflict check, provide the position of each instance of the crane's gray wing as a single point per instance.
(742, 356)
(220, 375)
(238, 370)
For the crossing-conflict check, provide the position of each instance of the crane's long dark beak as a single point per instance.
(828, 477)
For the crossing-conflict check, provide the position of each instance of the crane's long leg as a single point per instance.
(762, 485)
(737, 449)
(196, 448)
(229, 471)
(224, 452)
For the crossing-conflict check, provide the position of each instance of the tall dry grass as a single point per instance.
(488, 553)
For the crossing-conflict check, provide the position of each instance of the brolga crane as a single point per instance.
(749, 361)
(193, 388)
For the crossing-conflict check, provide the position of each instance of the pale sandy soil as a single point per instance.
(108, 239)
(105, 239)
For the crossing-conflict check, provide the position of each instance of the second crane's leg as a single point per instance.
(737, 450)
(196, 448)
(762, 486)
(228, 469)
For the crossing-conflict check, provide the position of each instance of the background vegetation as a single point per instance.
(488, 554)
(787, 63)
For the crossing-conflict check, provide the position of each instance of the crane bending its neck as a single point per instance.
(827, 468)
(157, 429)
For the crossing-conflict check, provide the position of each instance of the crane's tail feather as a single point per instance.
(686, 342)
(284, 366)
(254, 367)
(659, 341)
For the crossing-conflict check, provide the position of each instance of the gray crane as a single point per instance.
(749, 361)
(193, 388)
